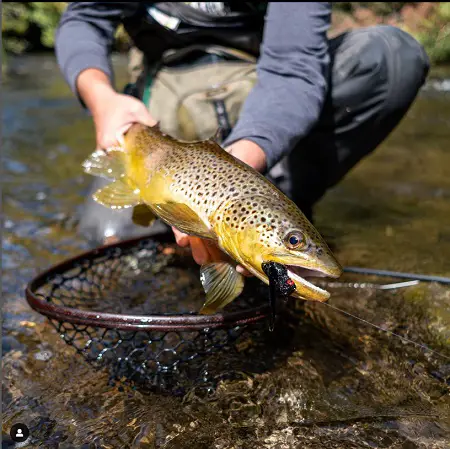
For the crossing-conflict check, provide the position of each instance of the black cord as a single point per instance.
(398, 274)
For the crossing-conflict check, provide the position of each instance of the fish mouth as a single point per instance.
(305, 289)
(305, 272)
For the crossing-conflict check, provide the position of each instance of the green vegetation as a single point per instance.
(383, 9)
(434, 34)
(31, 26)
(428, 22)
(28, 26)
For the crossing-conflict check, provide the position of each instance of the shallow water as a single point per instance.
(322, 380)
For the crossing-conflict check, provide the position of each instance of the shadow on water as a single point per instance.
(321, 380)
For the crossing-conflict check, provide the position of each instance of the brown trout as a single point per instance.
(202, 190)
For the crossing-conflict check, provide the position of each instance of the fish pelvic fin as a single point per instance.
(143, 215)
(118, 195)
(222, 284)
(184, 219)
(108, 164)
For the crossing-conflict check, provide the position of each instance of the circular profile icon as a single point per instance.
(19, 432)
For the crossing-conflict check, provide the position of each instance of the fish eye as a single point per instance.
(295, 240)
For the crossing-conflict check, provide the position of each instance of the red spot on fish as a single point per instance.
(290, 282)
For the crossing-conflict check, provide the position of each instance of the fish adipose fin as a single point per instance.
(143, 215)
(222, 284)
(184, 219)
(117, 195)
(109, 165)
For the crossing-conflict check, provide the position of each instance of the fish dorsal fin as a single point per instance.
(209, 145)
(183, 218)
(117, 195)
(107, 164)
(222, 284)
(143, 215)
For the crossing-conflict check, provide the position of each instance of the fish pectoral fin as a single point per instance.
(117, 195)
(222, 284)
(143, 215)
(107, 164)
(184, 219)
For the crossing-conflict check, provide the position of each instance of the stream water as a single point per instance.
(330, 382)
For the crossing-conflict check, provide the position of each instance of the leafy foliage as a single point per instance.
(30, 25)
(379, 8)
(434, 34)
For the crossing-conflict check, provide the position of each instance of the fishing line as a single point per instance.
(398, 274)
(388, 331)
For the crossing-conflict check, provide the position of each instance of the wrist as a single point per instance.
(250, 153)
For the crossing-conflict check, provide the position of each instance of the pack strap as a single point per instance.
(172, 56)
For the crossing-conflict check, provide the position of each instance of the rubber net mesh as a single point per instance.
(146, 278)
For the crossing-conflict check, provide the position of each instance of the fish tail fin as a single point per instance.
(106, 164)
(110, 164)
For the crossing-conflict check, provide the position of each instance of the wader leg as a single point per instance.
(375, 77)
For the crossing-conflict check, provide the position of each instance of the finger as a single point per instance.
(103, 143)
(142, 115)
(243, 271)
(199, 251)
(181, 238)
(113, 139)
(215, 254)
(121, 132)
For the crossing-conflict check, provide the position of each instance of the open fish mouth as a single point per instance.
(306, 272)
(306, 289)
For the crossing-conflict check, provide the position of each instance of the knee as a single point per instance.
(409, 60)
(382, 61)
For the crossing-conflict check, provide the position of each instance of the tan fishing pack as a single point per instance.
(192, 101)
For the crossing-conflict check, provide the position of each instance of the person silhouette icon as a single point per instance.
(19, 432)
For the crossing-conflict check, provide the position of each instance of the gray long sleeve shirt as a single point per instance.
(292, 68)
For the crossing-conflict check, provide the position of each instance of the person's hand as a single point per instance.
(115, 116)
(204, 251)
(113, 113)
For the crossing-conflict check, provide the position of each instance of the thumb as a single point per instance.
(142, 115)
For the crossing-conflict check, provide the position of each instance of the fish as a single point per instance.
(202, 190)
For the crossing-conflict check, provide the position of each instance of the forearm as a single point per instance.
(94, 88)
(287, 100)
(85, 37)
